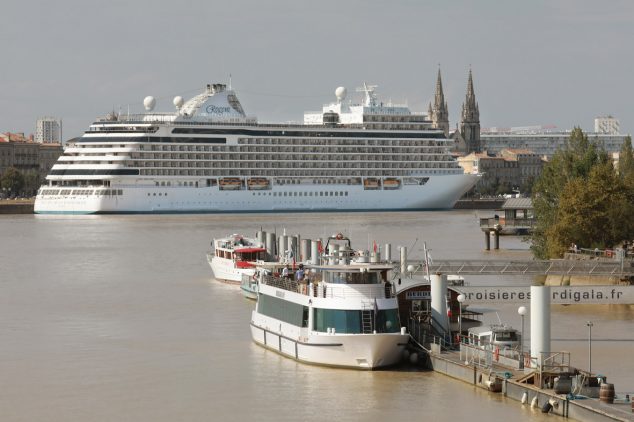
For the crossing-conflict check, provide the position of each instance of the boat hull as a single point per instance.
(353, 351)
(440, 192)
(225, 270)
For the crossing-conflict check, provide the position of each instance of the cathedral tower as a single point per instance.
(470, 120)
(438, 113)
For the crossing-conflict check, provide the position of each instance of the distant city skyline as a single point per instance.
(557, 63)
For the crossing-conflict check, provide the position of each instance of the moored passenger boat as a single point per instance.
(235, 256)
(343, 313)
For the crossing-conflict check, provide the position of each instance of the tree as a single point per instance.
(574, 161)
(12, 181)
(31, 183)
(626, 161)
(592, 212)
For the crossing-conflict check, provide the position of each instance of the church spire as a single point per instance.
(438, 113)
(470, 119)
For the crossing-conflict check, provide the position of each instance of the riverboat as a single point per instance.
(235, 256)
(343, 314)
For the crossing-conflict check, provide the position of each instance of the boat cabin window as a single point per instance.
(484, 339)
(506, 336)
(341, 277)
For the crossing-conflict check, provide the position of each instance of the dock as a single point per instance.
(501, 375)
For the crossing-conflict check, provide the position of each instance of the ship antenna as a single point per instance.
(230, 82)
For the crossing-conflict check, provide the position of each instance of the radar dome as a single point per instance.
(178, 101)
(341, 93)
(149, 102)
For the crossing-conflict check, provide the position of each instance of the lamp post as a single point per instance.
(522, 311)
(461, 299)
(589, 324)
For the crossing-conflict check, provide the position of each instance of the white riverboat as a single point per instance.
(345, 314)
(234, 256)
(209, 156)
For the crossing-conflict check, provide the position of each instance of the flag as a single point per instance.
(294, 263)
(374, 245)
(320, 247)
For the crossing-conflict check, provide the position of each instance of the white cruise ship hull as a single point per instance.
(440, 192)
(355, 351)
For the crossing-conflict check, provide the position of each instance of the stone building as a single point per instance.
(25, 155)
(511, 168)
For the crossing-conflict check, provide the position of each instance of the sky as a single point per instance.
(542, 62)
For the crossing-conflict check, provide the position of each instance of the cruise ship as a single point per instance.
(210, 156)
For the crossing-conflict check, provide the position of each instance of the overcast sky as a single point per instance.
(534, 62)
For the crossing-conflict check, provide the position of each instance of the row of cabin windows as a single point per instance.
(300, 193)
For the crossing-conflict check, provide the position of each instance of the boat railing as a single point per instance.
(486, 354)
(344, 291)
(349, 292)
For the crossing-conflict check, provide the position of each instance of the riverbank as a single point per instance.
(479, 204)
(16, 206)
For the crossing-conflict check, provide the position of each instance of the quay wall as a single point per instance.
(16, 207)
(479, 204)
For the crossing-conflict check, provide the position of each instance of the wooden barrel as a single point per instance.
(606, 393)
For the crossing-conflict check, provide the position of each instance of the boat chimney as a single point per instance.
(270, 245)
(388, 252)
(314, 251)
(305, 250)
(403, 260)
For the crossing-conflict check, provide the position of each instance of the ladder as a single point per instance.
(367, 319)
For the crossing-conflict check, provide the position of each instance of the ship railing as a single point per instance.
(378, 291)
(485, 353)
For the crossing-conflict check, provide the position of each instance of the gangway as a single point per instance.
(526, 267)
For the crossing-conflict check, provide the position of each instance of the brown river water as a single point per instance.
(118, 318)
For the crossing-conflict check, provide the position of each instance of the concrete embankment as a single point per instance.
(479, 204)
(586, 280)
(16, 206)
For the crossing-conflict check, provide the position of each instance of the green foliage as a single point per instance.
(626, 162)
(12, 181)
(579, 199)
(31, 183)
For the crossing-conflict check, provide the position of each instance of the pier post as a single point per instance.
(438, 300)
(540, 322)
(487, 240)
(496, 244)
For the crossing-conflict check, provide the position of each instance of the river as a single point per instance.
(118, 318)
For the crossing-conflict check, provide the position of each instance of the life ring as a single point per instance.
(497, 353)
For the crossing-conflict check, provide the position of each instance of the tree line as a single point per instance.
(15, 183)
(581, 198)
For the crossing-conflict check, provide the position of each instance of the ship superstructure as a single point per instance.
(209, 156)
